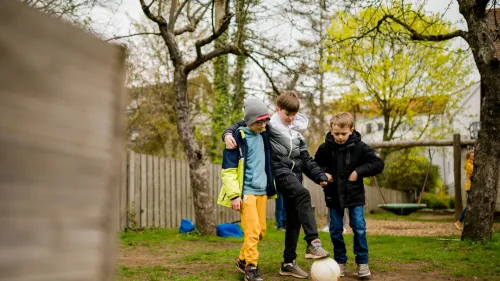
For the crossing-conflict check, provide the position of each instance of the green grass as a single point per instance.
(202, 258)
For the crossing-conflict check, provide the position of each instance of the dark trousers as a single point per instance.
(299, 212)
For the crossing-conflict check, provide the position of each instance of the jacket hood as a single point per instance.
(299, 124)
(353, 139)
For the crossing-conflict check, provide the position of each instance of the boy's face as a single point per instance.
(340, 134)
(258, 126)
(285, 116)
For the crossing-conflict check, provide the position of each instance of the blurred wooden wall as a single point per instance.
(61, 106)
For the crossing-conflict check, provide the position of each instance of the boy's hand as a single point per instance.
(353, 176)
(329, 176)
(230, 141)
(323, 183)
(236, 204)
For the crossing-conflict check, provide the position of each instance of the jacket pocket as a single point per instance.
(355, 193)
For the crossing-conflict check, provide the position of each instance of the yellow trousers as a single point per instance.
(253, 222)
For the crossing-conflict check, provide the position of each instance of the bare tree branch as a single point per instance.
(201, 59)
(217, 34)
(275, 89)
(149, 14)
(132, 35)
(417, 36)
(191, 26)
(180, 10)
(173, 11)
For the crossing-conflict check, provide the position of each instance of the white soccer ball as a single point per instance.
(325, 270)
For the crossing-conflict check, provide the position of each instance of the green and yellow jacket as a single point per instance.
(233, 169)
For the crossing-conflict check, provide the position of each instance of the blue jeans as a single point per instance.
(358, 225)
(462, 215)
(280, 211)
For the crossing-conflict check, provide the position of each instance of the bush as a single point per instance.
(405, 170)
(435, 201)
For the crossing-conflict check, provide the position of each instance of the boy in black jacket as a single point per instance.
(347, 160)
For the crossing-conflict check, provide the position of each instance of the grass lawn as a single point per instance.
(166, 255)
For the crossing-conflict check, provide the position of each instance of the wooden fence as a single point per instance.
(155, 192)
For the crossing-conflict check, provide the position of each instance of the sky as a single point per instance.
(116, 20)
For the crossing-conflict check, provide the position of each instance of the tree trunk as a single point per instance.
(203, 203)
(239, 78)
(483, 194)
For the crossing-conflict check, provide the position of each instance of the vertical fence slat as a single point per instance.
(162, 192)
(156, 192)
(168, 192)
(144, 191)
(185, 176)
(189, 198)
(178, 182)
(131, 188)
(123, 191)
(173, 192)
(137, 192)
(150, 192)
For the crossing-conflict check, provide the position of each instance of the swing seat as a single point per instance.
(402, 209)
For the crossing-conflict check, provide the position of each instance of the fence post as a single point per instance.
(457, 154)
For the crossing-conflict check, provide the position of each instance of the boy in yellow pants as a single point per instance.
(247, 182)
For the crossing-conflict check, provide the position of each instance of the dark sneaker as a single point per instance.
(315, 250)
(363, 270)
(252, 274)
(240, 265)
(293, 270)
(342, 269)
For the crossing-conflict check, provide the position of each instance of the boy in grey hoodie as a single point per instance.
(290, 158)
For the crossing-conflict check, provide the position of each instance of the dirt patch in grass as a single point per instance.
(411, 228)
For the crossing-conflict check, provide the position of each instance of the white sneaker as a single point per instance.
(363, 270)
(342, 269)
(325, 229)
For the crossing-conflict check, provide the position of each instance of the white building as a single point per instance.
(465, 121)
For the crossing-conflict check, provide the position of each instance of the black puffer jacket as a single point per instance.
(340, 160)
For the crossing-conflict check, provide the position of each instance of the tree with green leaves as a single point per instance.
(398, 80)
(483, 30)
(166, 14)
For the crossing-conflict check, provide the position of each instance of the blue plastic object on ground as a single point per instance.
(229, 230)
(186, 226)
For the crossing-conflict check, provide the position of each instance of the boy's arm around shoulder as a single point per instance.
(233, 128)
(372, 163)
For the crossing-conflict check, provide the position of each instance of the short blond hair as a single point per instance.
(289, 101)
(342, 119)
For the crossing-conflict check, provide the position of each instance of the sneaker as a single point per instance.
(315, 250)
(240, 265)
(252, 273)
(292, 269)
(342, 269)
(363, 270)
(282, 229)
(459, 225)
